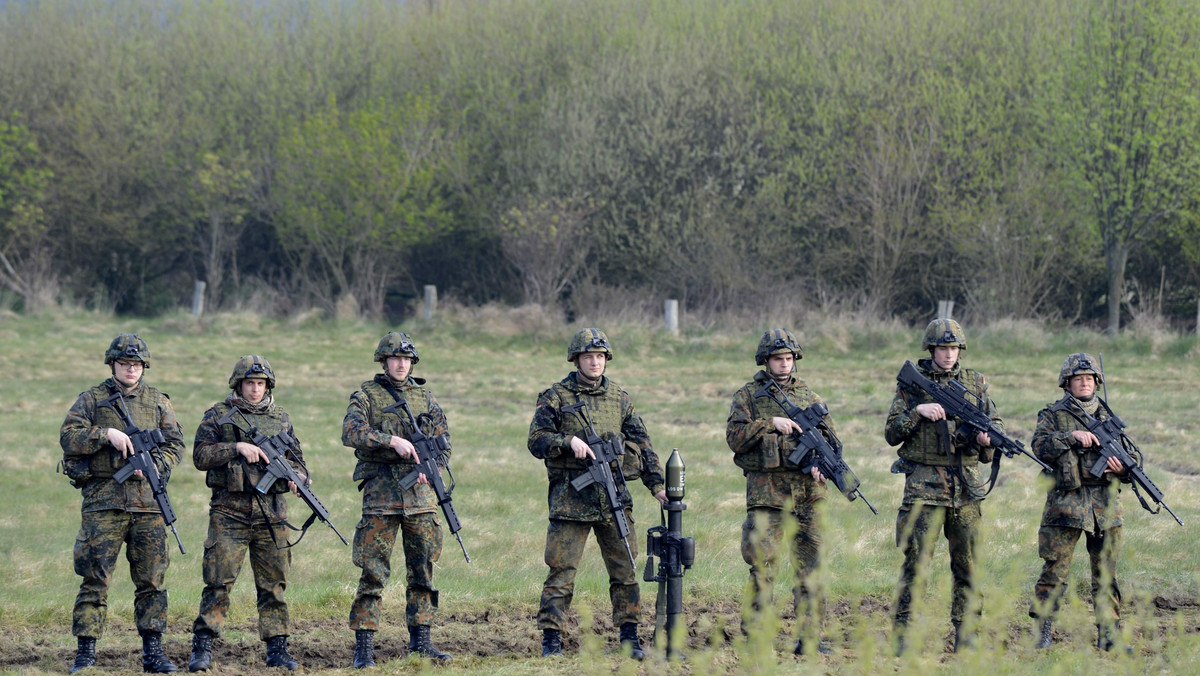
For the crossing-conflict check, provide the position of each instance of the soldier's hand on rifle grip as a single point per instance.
(1115, 466)
(785, 425)
(983, 439)
(251, 452)
(931, 411)
(581, 450)
(404, 448)
(816, 474)
(120, 441)
(1086, 438)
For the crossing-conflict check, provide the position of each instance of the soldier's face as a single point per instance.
(127, 372)
(945, 356)
(1082, 385)
(254, 389)
(591, 364)
(781, 365)
(398, 367)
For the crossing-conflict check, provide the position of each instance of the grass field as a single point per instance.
(486, 368)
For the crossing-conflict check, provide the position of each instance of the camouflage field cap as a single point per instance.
(589, 340)
(396, 344)
(944, 332)
(252, 366)
(1076, 364)
(128, 346)
(777, 341)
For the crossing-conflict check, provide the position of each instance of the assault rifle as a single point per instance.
(814, 447)
(431, 457)
(1115, 444)
(952, 398)
(599, 472)
(145, 446)
(277, 449)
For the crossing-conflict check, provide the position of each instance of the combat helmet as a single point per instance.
(777, 341)
(1077, 364)
(589, 340)
(252, 366)
(128, 346)
(396, 344)
(944, 332)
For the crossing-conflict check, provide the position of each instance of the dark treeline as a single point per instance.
(1031, 159)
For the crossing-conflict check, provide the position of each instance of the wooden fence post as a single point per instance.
(198, 299)
(430, 301)
(671, 313)
(945, 309)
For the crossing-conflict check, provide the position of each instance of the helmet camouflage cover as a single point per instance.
(588, 340)
(1076, 364)
(396, 344)
(252, 366)
(944, 332)
(128, 346)
(777, 341)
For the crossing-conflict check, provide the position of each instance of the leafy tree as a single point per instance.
(26, 264)
(1127, 123)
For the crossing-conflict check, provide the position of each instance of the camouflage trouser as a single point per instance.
(564, 549)
(1056, 546)
(96, 549)
(759, 548)
(920, 524)
(224, 551)
(374, 538)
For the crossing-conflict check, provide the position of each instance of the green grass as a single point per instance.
(486, 374)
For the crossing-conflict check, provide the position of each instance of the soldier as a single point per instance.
(95, 447)
(1078, 503)
(239, 519)
(556, 437)
(760, 434)
(386, 455)
(942, 487)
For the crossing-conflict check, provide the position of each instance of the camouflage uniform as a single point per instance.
(1078, 503)
(773, 484)
(240, 519)
(942, 487)
(572, 513)
(387, 507)
(116, 513)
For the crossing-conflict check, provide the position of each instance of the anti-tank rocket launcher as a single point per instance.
(675, 554)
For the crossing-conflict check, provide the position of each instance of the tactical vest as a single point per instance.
(933, 442)
(1072, 470)
(143, 409)
(394, 423)
(239, 476)
(773, 452)
(605, 412)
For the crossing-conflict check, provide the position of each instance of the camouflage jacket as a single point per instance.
(762, 452)
(1077, 499)
(91, 461)
(368, 430)
(550, 435)
(227, 473)
(935, 457)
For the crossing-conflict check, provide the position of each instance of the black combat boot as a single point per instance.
(277, 653)
(85, 654)
(364, 648)
(551, 643)
(201, 651)
(963, 639)
(418, 643)
(629, 638)
(1044, 639)
(822, 647)
(154, 661)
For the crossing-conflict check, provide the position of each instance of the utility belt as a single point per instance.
(369, 469)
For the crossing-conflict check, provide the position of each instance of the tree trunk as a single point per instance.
(1115, 255)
